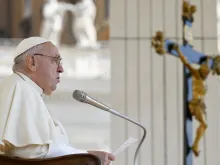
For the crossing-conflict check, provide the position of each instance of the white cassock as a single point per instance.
(27, 129)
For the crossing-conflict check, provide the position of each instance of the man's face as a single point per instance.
(48, 68)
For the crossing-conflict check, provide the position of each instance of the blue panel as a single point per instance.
(188, 23)
(192, 55)
(188, 121)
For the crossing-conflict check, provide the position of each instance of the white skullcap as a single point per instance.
(28, 43)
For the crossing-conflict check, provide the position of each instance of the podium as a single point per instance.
(76, 159)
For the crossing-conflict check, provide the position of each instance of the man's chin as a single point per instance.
(47, 93)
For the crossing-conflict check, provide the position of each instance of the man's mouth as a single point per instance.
(58, 79)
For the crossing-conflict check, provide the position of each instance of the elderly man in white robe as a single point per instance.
(27, 129)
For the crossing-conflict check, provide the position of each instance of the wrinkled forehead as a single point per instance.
(49, 49)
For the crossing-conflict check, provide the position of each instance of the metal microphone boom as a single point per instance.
(83, 97)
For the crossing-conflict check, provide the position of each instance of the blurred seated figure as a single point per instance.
(52, 23)
(83, 26)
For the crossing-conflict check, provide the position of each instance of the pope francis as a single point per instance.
(27, 129)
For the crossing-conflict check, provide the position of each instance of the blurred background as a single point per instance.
(106, 52)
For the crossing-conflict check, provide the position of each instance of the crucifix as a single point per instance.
(194, 79)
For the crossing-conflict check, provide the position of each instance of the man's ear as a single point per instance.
(31, 63)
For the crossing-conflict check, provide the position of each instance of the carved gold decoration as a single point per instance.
(158, 43)
(188, 10)
(216, 65)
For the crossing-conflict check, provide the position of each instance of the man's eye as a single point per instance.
(56, 61)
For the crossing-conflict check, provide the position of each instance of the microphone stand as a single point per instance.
(136, 123)
(83, 97)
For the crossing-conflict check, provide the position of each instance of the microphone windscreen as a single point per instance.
(79, 95)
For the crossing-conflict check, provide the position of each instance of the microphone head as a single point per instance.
(79, 95)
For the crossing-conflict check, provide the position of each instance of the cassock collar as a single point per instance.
(32, 83)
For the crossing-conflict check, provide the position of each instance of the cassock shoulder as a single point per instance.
(24, 118)
(15, 92)
(16, 84)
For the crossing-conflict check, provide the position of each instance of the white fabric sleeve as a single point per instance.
(28, 152)
(42, 151)
(56, 150)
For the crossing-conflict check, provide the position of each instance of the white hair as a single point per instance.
(19, 60)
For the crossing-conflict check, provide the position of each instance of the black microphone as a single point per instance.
(83, 97)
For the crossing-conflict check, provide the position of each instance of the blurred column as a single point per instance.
(4, 17)
(100, 13)
(36, 16)
(17, 10)
(101, 21)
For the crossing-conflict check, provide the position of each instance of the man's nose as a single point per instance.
(60, 68)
